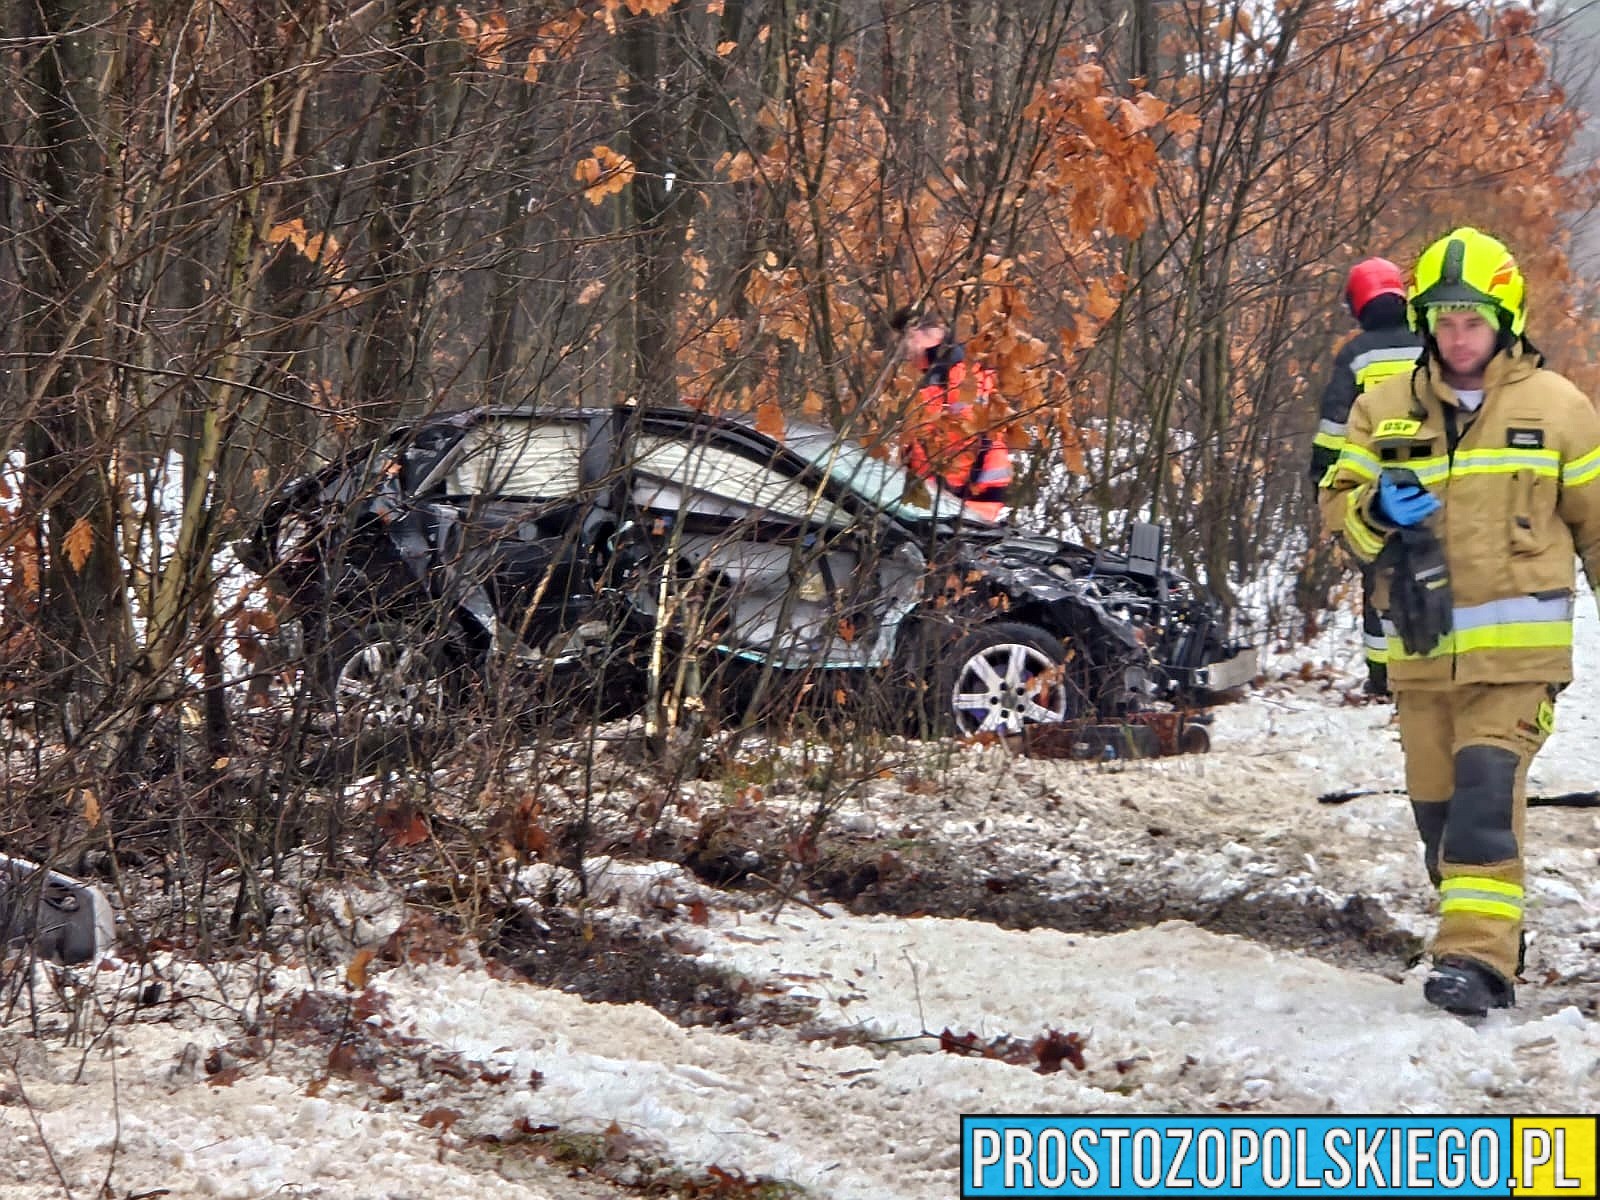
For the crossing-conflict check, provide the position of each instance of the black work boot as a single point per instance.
(1377, 684)
(1467, 988)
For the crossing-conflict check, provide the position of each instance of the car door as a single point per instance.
(755, 553)
(518, 524)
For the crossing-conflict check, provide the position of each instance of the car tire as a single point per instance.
(1004, 675)
(386, 677)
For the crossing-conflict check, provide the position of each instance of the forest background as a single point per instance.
(242, 237)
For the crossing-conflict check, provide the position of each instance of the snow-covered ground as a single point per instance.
(347, 1097)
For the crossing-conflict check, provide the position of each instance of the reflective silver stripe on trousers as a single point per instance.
(1471, 893)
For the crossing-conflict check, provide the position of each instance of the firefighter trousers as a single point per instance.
(1374, 643)
(1467, 751)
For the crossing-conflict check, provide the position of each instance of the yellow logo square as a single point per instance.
(1553, 1156)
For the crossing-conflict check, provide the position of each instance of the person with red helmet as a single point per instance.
(1375, 294)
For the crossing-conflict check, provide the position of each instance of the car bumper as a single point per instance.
(1232, 672)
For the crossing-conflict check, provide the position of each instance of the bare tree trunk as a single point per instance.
(506, 293)
(387, 343)
(657, 214)
(65, 286)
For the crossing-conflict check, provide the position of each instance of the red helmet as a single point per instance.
(1369, 279)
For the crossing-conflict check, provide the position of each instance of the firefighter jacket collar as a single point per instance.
(1505, 368)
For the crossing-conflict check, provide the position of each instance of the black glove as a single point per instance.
(1420, 601)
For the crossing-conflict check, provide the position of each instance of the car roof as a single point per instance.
(669, 415)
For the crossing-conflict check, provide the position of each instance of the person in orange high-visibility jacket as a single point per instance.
(942, 444)
(1473, 482)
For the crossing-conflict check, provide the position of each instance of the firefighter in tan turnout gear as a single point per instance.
(1472, 482)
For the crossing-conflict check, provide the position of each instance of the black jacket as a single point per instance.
(1372, 355)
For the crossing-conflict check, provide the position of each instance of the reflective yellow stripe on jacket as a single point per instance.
(1363, 539)
(1517, 623)
(1504, 462)
(1581, 470)
(1375, 366)
(1330, 436)
(1358, 461)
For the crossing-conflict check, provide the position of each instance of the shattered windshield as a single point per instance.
(884, 485)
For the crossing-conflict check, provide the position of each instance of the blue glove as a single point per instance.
(1402, 500)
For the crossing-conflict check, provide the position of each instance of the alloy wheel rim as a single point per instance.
(1004, 687)
(390, 686)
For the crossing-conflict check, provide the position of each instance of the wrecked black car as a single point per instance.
(569, 543)
(51, 915)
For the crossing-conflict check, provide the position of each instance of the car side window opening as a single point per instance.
(883, 485)
(695, 478)
(518, 459)
(518, 478)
